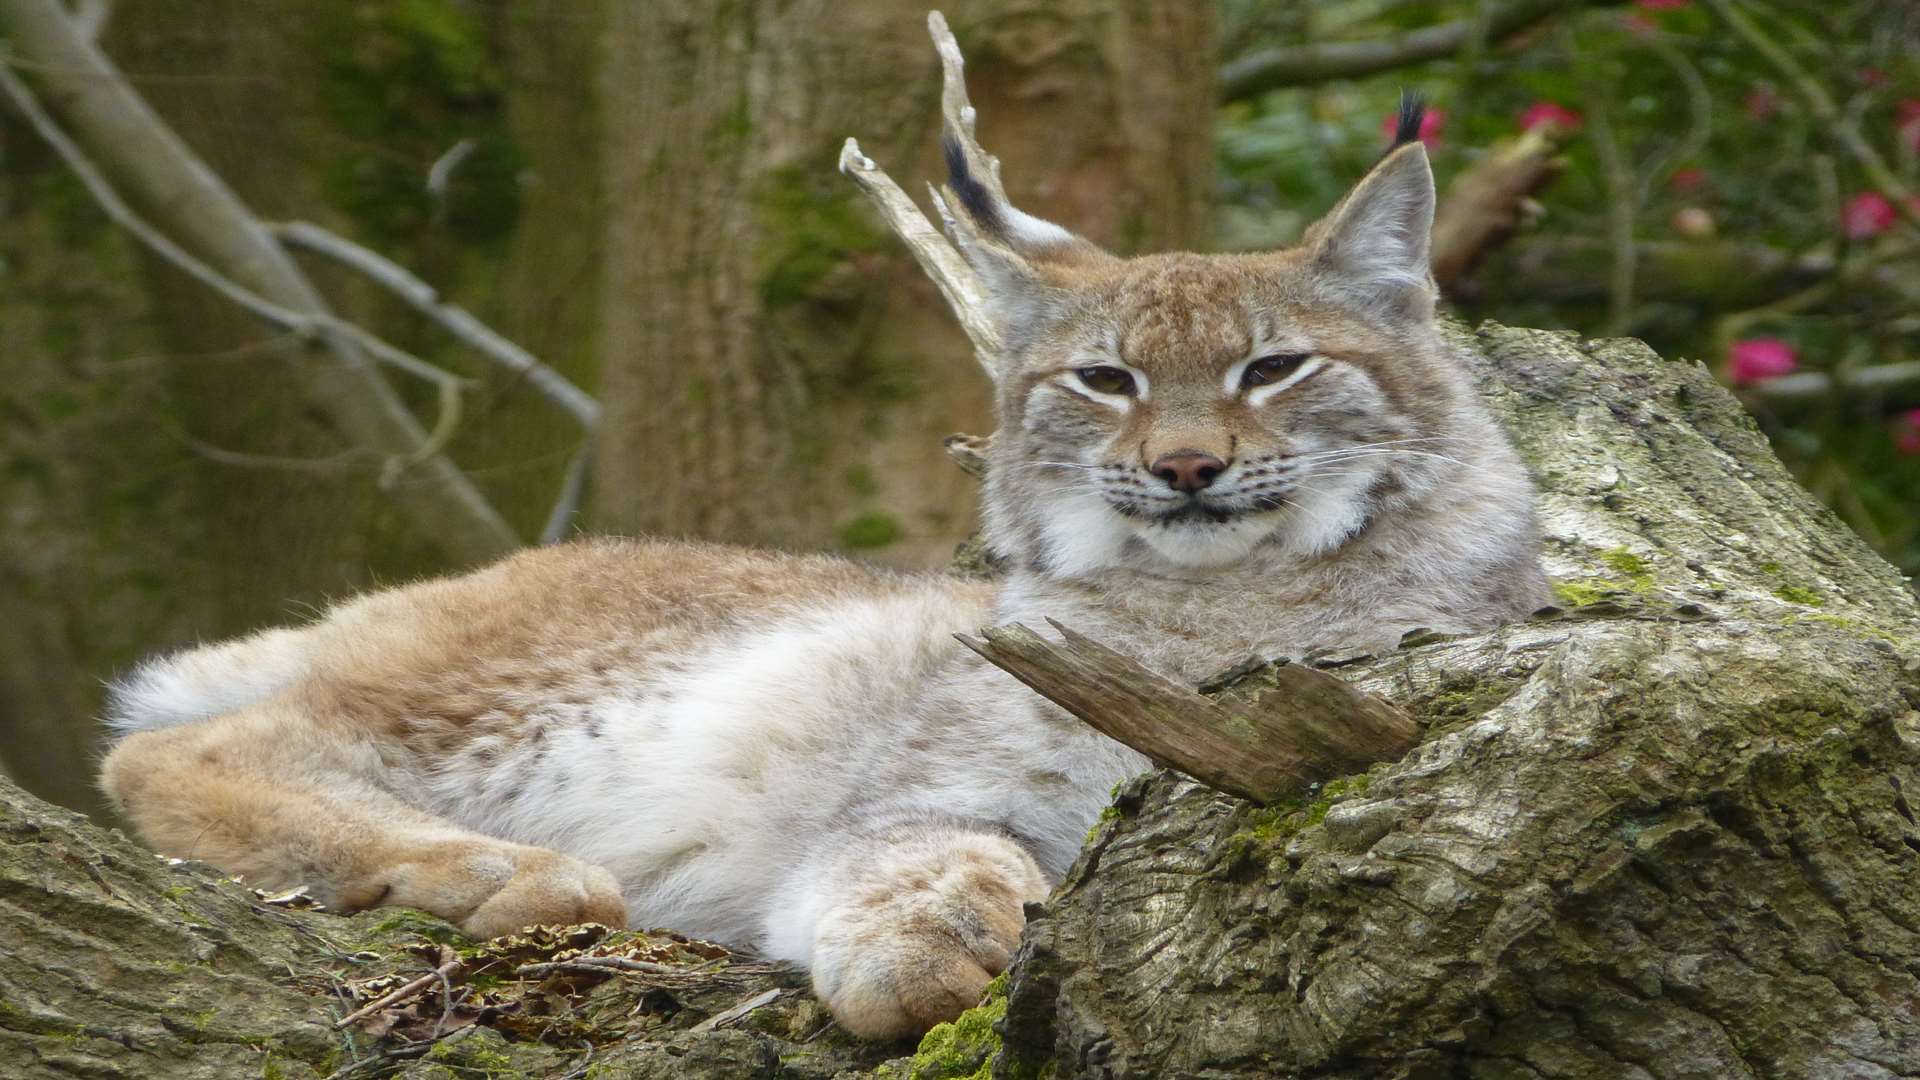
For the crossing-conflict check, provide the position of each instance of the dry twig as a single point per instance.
(935, 254)
(722, 1018)
(449, 963)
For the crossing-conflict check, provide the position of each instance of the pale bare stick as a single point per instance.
(452, 318)
(190, 203)
(738, 1011)
(305, 325)
(936, 256)
(573, 490)
(959, 117)
(90, 17)
(935, 253)
(599, 965)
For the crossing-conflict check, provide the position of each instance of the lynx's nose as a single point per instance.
(1188, 470)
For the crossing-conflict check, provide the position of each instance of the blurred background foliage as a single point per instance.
(642, 194)
(1708, 203)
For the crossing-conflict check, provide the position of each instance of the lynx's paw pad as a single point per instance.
(489, 889)
(921, 930)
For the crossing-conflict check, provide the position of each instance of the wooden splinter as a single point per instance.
(1310, 727)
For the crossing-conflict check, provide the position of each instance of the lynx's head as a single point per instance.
(1179, 413)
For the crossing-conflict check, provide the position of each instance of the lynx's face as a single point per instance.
(1182, 412)
(1187, 410)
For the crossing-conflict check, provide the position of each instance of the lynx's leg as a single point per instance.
(283, 800)
(910, 926)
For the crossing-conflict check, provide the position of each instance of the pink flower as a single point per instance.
(1762, 102)
(1753, 359)
(1906, 432)
(1867, 214)
(1550, 112)
(1662, 5)
(1906, 123)
(1691, 178)
(1431, 125)
(1635, 23)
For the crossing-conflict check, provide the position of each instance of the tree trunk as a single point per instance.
(1661, 833)
(775, 370)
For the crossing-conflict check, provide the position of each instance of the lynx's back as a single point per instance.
(1197, 457)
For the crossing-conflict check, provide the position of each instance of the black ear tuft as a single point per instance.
(1413, 110)
(973, 195)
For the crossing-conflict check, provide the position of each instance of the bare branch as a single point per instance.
(599, 965)
(573, 489)
(456, 320)
(934, 252)
(449, 964)
(440, 173)
(90, 17)
(737, 1012)
(931, 250)
(1311, 726)
(958, 116)
(332, 463)
(1812, 385)
(243, 263)
(1302, 65)
(308, 326)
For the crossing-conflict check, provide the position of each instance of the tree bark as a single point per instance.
(774, 369)
(1665, 832)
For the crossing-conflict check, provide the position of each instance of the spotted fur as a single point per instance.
(790, 753)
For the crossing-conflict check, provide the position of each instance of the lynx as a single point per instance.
(1197, 457)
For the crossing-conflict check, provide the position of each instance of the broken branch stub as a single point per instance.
(1486, 204)
(1312, 726)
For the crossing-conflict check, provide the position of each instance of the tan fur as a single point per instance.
(310, 786)
(790, 752)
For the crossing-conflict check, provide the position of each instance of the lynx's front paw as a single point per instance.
(919, 929)
(490, 889)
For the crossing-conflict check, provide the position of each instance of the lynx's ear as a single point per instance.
(1373, 248)
(1025, 265)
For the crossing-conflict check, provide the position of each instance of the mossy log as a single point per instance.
(1663, 832)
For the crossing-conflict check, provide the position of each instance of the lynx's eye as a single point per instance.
(1272, 369)
(1105, 379)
